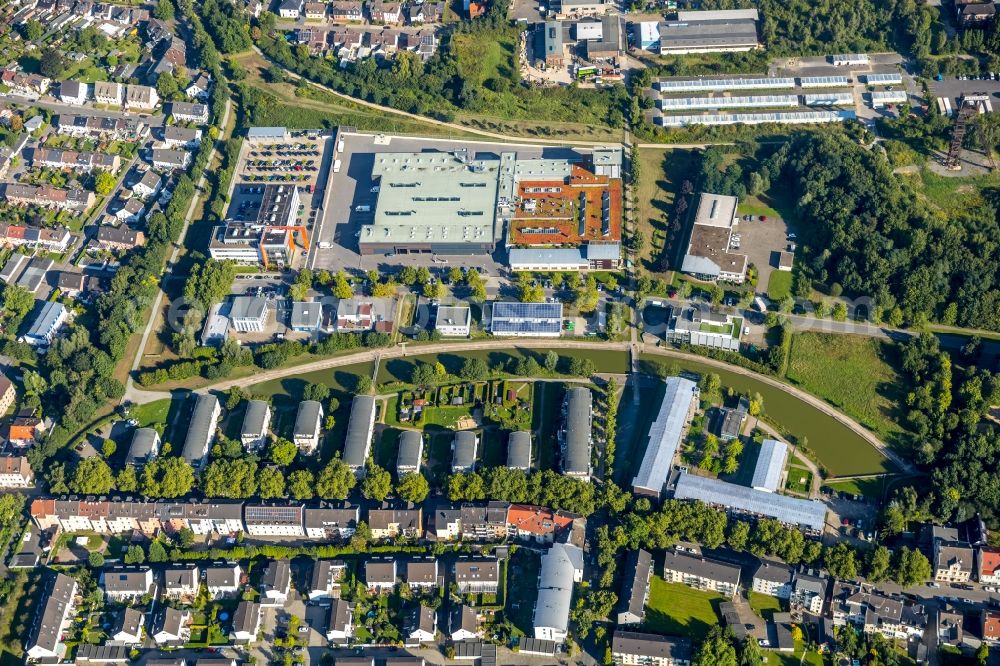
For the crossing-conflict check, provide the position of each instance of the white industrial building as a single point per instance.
(884, 98)
(703, 85)
(752, 101)
(829, 99)
(680, 400)
(856, 59)
(884, 79)
(778, 117)
(453, 321)
(824, 81)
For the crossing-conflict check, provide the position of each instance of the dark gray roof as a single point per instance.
(129, 621)
(126, 581)
(253, 420)
(702, 567)
(277, 576)
(476, 571)
(464, 617)
(652, 645)
(247, 616)
(145, 442)
(635, 584)
(331, 517)
(421, 571)
(359, 430)
(519, 450)
(324, 573)
(49, 617)
(576, 450)
(410, 449)
(200, 429)
(180, 577)
(87, 652)
(380, 571)
(775, 572)
(306, 417)
(464, 450)
(340, 615)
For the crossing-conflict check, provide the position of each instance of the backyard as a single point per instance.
(676, 609)
(522, 590)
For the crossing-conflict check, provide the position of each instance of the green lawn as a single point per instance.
(151, 413)
(779, 285)
(951, 194)
(676, 609)
(765, 606)
(866, 487)
(799, 479)
(852, 373)
(661, 173)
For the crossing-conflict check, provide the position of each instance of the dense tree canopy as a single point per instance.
(864, 229)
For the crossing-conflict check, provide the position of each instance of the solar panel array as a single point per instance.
(512, 310)
(759, 101)
(695, 85)
(504, 326)
(884, 79)
(789, 117)
(829, 99)
(823, 81)
(789, 510)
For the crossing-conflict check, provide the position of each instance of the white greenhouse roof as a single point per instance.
(762, 101)
(823, 81)
(692, 85)
(789, 117)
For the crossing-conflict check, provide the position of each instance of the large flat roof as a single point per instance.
(433, 198)
(791, 510)
(665, 434)
(705, 34)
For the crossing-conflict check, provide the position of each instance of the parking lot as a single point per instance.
(303, 161)
(335, 244)
(761, 240)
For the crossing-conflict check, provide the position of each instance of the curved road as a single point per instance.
(138, 396)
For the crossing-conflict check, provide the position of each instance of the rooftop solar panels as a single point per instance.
(823, 81)
(526, 319)
(789, 510)
(883, 79)
(758, 101)
(788, 117)
(829, 99)
(696, 85)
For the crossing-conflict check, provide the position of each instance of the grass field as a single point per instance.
(951, 194)
(779, 285)
(852, 373)
(765, 605)
(676, 609)
(151, 413)
(866, 487)
(660, 175)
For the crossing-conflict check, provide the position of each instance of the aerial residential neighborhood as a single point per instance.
(499, 332)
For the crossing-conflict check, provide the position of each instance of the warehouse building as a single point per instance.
(720, 85)
(700, 32)
(770, 465)
(882, 98)
(824, 82)
(575, 437)
(452, 203)
(708, 256)
(360, 428)
(776, 117)
(829, 99)
(885, 79)
(680, 400)
(807, 514)
(440, 203)
(747, 102)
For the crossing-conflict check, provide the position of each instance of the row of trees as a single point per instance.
(544, 488)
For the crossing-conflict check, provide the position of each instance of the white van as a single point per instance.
(336, 166)
(363, 208)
